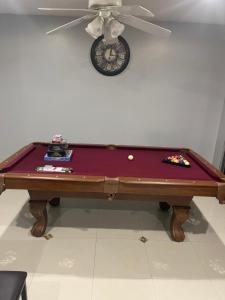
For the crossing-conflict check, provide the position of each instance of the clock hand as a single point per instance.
(111, 53)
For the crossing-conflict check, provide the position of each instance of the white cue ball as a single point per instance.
(130, 157)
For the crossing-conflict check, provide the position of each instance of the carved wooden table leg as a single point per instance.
(38, 210)
(164, 206)
(55, 202)
(180, 215)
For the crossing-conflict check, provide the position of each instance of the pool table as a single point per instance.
(104, 171)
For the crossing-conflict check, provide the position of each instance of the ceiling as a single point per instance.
(196, 11)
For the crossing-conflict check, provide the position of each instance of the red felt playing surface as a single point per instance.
(102, 161)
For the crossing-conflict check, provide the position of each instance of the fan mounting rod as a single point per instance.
(95, 4)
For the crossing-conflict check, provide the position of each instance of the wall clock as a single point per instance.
(110, 59)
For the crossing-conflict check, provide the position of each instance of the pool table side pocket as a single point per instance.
(111, 187)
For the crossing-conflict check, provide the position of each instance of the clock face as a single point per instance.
(110, 59)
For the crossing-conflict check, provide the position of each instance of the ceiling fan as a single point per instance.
(110, 53)
(108, 19)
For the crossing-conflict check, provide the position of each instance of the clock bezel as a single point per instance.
(105, 72)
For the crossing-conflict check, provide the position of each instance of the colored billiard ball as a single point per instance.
(130, 157)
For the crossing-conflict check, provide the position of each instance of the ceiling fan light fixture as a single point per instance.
(112, 30)
(95, 28)
(117, 28)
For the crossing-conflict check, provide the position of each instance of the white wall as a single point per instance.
(171, 94)
(220, 144)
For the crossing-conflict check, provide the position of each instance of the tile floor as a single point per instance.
(95, 252)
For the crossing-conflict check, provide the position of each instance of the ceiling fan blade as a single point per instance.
(72, 23)
(144, 26)
(136, 10)
(62, 10)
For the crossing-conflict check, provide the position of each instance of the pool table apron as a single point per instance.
(177, 194)
(112, 187)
